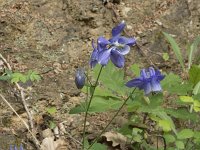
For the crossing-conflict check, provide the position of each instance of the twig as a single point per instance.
(22, 95)
(37, 144)
(71, 137)
(26, 125)
(25, 105)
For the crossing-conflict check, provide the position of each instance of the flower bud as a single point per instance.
(80, 78)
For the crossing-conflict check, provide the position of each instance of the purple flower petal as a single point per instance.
(137, 82)
(159, 75)
(104, 57)
(125, 50)
(21, 147)
(151, 71)
(126, 41)
(144, 74)
(93, 63)
(118, 29)
(155, 85)
(117, 58)
(102, 43)
(147, 88)
(149, 81)
(15, 147)
(94, 56)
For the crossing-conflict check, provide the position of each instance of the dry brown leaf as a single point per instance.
(49, 144)
(116, 138)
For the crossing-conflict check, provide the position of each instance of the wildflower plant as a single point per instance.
(153, 99)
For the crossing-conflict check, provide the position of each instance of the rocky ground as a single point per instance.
(54, 37)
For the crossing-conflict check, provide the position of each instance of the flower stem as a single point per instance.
(111, 119)
(88, 106)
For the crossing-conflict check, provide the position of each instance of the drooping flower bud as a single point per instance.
(80, 78)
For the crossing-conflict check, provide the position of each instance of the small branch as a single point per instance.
(22, 95)
(25, 105)
(37, 143)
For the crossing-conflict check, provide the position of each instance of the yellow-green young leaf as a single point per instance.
(165, 56)
(23, 78)
(180, 145)
(14, 80)
(51, 110)
(186, 99)
(169, 138)
(196, 106)
(185, 134)
(165, 125)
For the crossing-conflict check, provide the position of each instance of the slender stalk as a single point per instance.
(111, 119)
(88, 105)
(37, 143)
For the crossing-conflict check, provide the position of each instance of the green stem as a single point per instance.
(88, 106)
(111, 120)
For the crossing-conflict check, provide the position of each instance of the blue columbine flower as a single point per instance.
(149, 81)
(115, 48)
(80, 78)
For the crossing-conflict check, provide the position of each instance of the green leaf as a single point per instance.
(186, 99)
(197, 135)
(194, 74)
(180, 145)
(111, 78)
(33, 75)
(196, 106)
(174, 85)
(165, 56)
(98, 104)
(165, 125)
(14, 80)
(166, 121)
(193, 49)
(175, 48)
(102, 104)
(16, 77)
(182, 113)
(185, 134)
(95, 146)
(100, 91)
(154, 105)
(136, 70)
(5, 78)
(51, 110)
(169, 138)
(52, 124)
(7, 75)
(196, 89)
(78, 109)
